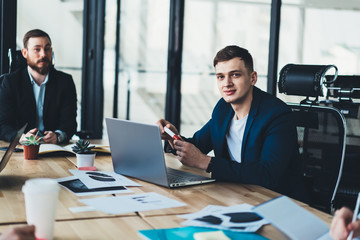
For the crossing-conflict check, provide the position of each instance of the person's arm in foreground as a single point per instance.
(342, 224)
(19, 233)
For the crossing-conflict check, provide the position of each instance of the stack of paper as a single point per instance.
(239, 218)
(132, 203)
(85, 183)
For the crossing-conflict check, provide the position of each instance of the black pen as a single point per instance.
(40, 133)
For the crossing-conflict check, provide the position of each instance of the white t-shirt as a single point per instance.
(235, 136)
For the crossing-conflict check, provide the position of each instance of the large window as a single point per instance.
(320, 32)
(63, 21)
(143, 59)
(210, 26)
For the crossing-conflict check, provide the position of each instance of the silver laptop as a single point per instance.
(137, 151)
(11, 148)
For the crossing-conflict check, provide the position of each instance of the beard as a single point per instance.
(41, 70)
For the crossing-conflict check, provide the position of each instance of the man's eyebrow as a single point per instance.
(232, 71)
(38, 45)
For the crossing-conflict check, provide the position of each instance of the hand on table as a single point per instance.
(50, 137)
(28, 134)
(19, 233)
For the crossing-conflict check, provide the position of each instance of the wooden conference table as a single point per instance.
(98, 225)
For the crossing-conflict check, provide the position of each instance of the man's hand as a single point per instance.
(19, 233)
(190, 155)
(162, 123)
(342, 225)
(28, 134)
(50, 137)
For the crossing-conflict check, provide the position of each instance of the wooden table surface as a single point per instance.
(98, 225)
(116, 228)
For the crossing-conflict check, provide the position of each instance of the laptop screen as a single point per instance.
(11, 148)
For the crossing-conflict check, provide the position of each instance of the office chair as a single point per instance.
(16, 60)
(321, 132)
(344, 94)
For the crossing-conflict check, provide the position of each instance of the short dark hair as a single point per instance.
(233, 51)
(34, 33)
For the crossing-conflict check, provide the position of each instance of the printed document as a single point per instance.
(293, 220)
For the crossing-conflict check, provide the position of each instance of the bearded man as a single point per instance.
(38, 95)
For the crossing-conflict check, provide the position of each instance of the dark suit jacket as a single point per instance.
(270, 155)
(18, 106)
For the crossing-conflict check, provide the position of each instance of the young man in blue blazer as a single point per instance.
(38, 94)
(252, 133)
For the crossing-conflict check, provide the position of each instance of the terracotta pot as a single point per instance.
(31, 152)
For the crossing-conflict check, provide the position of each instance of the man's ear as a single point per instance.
(253, 78)
(24, 52)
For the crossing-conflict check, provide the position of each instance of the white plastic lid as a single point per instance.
(39, 185)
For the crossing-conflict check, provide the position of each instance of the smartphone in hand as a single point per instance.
(172, 134)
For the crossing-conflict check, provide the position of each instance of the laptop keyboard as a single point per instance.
(176, 176)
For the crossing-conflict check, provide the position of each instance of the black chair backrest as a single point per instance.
(322, 141)
(16, 60)
(321, 131)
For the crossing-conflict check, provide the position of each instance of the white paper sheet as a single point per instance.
(74, 185)
(205, 211)
(82, 209)
(235, 218)
(99, 179)
(132, 203)
(293, 220)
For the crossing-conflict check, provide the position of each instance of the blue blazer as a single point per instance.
(18, 106)
(270, 155)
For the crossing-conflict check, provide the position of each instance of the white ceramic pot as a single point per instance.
(85, 160)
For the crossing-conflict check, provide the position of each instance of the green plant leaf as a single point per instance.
(82, 147)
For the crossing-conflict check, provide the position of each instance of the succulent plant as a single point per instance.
(32, 140)
(82, 147)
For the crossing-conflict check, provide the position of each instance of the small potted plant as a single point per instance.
(84, 154)
(31, 146)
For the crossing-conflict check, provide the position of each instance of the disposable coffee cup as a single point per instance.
(85, 160)
(41, 197)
